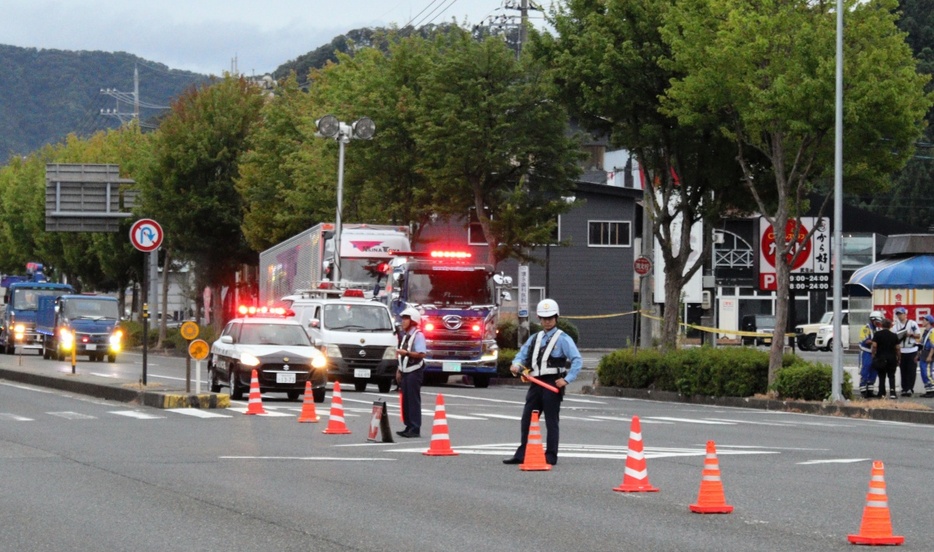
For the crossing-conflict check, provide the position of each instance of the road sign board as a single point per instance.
(189, 330)
(146, 235)
(199, 349)
(642, 266)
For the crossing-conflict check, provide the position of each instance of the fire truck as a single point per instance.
(306, 260)
(457, 299)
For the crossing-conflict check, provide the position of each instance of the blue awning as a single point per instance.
(916, 272)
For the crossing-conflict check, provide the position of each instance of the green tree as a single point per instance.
(493, 140)
(190, 188)
(765, 74)
(605, 62)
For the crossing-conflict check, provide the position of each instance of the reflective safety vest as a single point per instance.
(407, 342)
(553, 365)
(866, 334)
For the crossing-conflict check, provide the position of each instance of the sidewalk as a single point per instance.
(59, 376)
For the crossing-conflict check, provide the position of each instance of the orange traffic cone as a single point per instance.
(440, 439)
(876, 527)
(308, 406)
(255, 404)
(636, 474)
(534, 453)
(401, 409)
(711, 499)
(336, 425)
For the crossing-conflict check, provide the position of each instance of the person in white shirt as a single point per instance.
(909, 333)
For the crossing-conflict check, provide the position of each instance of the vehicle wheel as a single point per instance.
(293, 395)
(46, 353)
(384, 385)
(359, 386)
(212, 378)
(236, 392)
(806, 343)
(829, 346)
(111, 358)
(318, 394)
(481, 382)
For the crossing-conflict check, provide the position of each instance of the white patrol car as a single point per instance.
(277, 347)
(358, 335)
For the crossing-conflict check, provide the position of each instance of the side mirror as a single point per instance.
(314, 323)
(506, 296)
(227, 339)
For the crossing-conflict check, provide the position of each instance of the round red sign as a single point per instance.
(146, 235)
(642, 266)
(769, 245)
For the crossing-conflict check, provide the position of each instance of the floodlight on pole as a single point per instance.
(330, 127)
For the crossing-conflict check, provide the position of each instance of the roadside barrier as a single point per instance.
(336, 425)
(636, 474)
(255, 404)
(876, 527)
(534, 452)
(710, 499)
(440, 438)
(308, 406)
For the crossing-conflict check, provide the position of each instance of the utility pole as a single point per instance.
(128, 98)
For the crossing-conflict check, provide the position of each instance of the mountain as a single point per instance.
(47, 94)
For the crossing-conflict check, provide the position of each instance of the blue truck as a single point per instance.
(21, 300)
(87, 324)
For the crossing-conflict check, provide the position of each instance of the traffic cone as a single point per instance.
(636, 474)
(336, 425)
(440, 439)
(401, 409)
(534, 453)
(876, 527)
(308, 406)
(711, 499)
(255, 404)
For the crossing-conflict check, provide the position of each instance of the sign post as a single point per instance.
(642, 266)
(146, 235)
(198, 350)
(189, 331)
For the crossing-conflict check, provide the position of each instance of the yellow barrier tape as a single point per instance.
(646, 314)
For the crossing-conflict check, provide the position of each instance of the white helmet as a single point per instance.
(547, 308)
(412, 313)
(876, 315)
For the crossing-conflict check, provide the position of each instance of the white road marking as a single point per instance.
(589, 451)
(501, 416)
(269, 412)
(834, 461)
(571, 399)
(72, 415)
(14, 418)
(314, 458)
(198, 413)
(688, 420)
(136, 414)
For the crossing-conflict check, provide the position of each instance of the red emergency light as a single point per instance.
(450, 255)
(246, 310)
(354, 293)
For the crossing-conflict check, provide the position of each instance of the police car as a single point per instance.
(278, 348)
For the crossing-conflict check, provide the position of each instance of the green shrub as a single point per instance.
(504, 362)
(508, 330)
(133, 336)
(809, 381)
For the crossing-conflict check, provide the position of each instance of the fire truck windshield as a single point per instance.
(449, 287)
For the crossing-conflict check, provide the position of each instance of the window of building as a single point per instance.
(607, 233)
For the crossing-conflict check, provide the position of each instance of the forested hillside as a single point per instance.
(47, 94)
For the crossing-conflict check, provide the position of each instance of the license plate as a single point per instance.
(91, 347)
(361, 373)
(451, 367)
(285, 378)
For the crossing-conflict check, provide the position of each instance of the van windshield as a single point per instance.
(827, 318)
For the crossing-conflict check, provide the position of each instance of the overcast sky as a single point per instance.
(206, 35)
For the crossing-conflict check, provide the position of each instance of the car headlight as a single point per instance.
(333, 350)
(247, 359)
(389, 354)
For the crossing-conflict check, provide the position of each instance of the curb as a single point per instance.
(827, 409)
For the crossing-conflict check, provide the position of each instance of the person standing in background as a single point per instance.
(926, 356)
(909, 335)
(886, 355)
(867, 374)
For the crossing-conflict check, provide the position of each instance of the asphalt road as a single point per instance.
(87, 474)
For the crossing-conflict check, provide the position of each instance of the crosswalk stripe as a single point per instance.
(14, 418)
(136, 414)
(269, 413)
(72, 415)
(198, 413)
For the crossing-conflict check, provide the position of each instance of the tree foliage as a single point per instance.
(764, 73)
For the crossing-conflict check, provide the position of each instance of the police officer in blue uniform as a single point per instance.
(548, 354)
(867, 373)
(411, 372)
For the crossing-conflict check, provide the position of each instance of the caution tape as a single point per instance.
(698, 327)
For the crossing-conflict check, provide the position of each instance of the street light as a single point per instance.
(329, 127)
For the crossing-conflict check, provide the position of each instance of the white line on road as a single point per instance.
(834, 461)
(14, 418)
(198, 413)
(136, 414)
(72, 415)
(315, 458)
(688, 420)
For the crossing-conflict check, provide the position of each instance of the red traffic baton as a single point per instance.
(539, 382)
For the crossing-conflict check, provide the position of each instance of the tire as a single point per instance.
(806, 343)
(481, 382)
(359, 386)
(46, 353)
(111, 358)
(236, 392)
(829, 346)
(384, 385)
(318, 394)
(293, 395)
(212, 379)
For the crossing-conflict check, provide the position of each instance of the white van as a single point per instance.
(357, 335)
